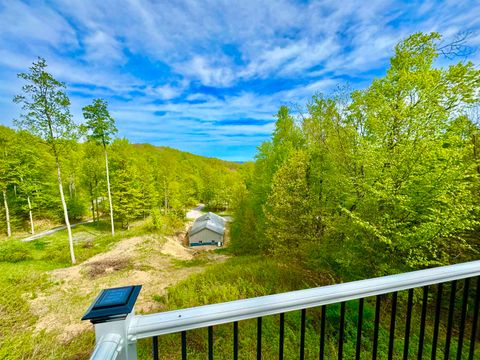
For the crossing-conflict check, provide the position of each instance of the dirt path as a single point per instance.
(195, 212)
(52, 231)
(147, 260)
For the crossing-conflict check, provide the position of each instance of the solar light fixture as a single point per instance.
(113, 304)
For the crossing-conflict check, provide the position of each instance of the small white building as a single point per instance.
(208, 229)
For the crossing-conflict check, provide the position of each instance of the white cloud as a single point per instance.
(151, 58)
(210, 74)
(102, 47)
(30, 26)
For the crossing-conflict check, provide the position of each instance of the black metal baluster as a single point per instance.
(408, 323)
(393, 316)
(322, 332)
(359, 330)
(282, 333)
(341, 331)
(473, 336)
(235, 340)
(438, 309)
(461, 333)
(375, 329)
(155, 347)
(210, 343)
(422, 322)
(259, 338)
(451, 310)
(184, 345)
(302, 335)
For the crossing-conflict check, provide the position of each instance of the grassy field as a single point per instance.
(23, 277)
(243, 277)
(26, 279)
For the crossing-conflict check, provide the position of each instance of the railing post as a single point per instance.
(111, 314)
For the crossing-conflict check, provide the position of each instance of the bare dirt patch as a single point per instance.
(100, 268)
(173, 247)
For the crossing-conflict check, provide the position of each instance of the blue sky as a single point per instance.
(208, 76)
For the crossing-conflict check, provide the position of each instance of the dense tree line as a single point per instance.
(143, 178)
(374, 181)
(53, 168)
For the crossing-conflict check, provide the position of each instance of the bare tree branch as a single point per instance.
(458, 47)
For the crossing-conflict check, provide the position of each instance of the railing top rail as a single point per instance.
(143, 326)
(107, 348)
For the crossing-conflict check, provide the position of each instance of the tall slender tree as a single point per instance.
(7, 166)
(46, 113)
(102, 128)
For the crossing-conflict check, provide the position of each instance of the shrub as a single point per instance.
(14, 251)
(76, 209)
(165, 223)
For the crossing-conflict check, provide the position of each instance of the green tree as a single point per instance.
(46, 113)
(8, 165)
(291, 226)
(92, 172)
(28, 174)
(415, 198)
(386, 178)
(102, 127)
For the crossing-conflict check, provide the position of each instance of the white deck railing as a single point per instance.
(122, 335)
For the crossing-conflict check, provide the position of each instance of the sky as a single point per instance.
(209, 76)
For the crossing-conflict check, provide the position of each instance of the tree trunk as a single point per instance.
(96, 207)
(7, 213)
(92, 200)
(109, 193)
(93, 210)
(32, 227)
(65, 212)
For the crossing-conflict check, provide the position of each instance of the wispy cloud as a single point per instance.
(209, 77)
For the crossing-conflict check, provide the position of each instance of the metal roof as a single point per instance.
(208, 221)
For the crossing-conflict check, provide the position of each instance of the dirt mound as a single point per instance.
(145, 260)
(174, 248)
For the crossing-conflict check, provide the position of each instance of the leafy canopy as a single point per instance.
(45, 105)
(99, 122)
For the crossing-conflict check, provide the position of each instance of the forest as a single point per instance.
(145, 180)
(374, 181)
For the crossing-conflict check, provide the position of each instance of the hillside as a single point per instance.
(159, 179)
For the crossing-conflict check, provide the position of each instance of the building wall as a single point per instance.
(205, 237)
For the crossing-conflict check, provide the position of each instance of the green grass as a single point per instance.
(250, 276)
(236, 278)
(23, 268)
(23, 276)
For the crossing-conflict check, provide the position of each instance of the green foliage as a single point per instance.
(143, 178)
(45, 105)
(165, 223)
(77, 208)
(99, 122)
(218, 286)
(13, 252)
(290, 225)
(377, 181)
